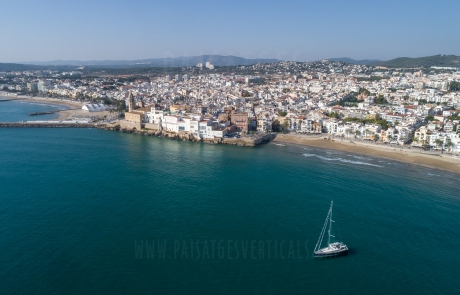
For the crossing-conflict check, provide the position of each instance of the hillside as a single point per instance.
(13, 67)
(354, 61)
(183, 61)
(425, 62)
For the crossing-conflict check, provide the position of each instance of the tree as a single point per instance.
(276, 126)
(365, 91)
(282, 113)
(449, 145)
(367, 131)
(285, 125)
(348, 132)
(246, 93)
(381, 100)
(454, 86)
(357, 132)
(439, 142)
(376, 137)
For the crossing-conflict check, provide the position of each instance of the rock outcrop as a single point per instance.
(184, 136)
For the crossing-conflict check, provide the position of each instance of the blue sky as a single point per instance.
(289, 30)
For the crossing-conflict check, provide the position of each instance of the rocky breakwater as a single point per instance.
(249, 140)
(244, 141)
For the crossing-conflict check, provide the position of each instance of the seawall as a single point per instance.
(184, 136)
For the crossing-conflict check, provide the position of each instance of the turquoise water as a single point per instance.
(77, 204)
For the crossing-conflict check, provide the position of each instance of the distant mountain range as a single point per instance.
(183, 61)
(439, 60)
(354, 61)
(220, 60)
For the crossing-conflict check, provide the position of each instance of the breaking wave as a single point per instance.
(341, 160)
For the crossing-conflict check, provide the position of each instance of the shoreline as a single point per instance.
(63, 115)
(56, 101)
(415, 157)
(410, 156)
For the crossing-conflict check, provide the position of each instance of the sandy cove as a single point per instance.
(75, 106)
(65, 102)
(412, 156)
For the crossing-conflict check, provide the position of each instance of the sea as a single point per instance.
(88, 211)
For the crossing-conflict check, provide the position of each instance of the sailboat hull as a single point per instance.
(334, 249)
(318, 254)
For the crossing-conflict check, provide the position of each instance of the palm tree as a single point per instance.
(367, 131)
(357, 133)
(449, 145)
(439, 143)
(348, 131)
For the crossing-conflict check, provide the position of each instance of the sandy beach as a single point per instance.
(74, 111)
(65, 102)
(412, 156)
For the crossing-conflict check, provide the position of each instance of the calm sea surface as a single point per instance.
(15, 111)
(86, 211)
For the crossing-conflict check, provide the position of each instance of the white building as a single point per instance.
(94, 107)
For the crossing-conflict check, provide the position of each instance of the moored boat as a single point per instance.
(332, 249)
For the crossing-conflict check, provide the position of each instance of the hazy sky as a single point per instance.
(289, 30)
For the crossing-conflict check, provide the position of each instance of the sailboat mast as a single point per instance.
(330, 225)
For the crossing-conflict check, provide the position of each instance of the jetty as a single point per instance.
(49, 112)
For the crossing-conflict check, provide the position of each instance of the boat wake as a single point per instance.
(279, 144)
(341, 160)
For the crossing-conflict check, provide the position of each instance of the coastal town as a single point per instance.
(337, 100)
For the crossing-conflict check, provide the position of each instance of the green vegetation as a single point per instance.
(349, 101)
(120, 105)
(365, 91)
(12, 67)
(246, 93)
(454, 86)
(136, 72)
(425, 62)
(282, 113)
(286, 90)
(381, 100)
(374, 120)
(335, 115)
(454, 117)
(180, 98)
(276, 126)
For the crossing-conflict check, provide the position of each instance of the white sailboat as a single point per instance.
(332, 249)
